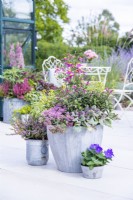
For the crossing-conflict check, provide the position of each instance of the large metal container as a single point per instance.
(9, 105)
(37, 152)
(94, 173)
(67, 147)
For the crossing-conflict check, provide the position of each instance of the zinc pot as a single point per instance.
(37, 152)
(9, 105)
(94, 173)
(24, 117)
(67, 147)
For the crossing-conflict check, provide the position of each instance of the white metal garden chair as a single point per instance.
(100, 72)
(127, 89)
(49, 66)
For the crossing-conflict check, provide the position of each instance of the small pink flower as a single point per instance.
(90, 54)
(74, 86)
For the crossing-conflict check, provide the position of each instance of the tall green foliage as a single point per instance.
(49, 17)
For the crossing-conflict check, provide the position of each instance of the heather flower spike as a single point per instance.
(16, 56)
(90, 54)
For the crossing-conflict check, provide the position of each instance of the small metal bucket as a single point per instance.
(37, 152)
(94, 173)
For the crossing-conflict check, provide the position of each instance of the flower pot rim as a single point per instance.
(93, 167)
(76, 126)
(35, 139)
(13, 98)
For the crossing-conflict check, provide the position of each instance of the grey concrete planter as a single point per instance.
(37, 152)
(67, 147)
(94, 173)
(9, 105)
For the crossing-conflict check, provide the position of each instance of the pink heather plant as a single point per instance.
(20, 89)
(4, 89)
(16, 56)
(12, 56)
(71, 73)
(90, 54)
(19, 56)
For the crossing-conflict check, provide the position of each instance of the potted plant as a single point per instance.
(93, 161)
(34, 132)
(23, 112)
(76, 120)
(13, 88)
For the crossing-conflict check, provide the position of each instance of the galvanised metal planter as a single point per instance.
(67, 147)
(94, 173)
(9, 105)
(24, 117)
(37, 152)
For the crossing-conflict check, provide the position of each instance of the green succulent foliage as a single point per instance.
(91, 159)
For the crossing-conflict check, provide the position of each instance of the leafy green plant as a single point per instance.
(96, 86)
(32, 96)
(44, 102)
(94, 156)
(24, 110)
(14, 75)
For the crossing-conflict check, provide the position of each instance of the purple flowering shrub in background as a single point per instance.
(94, 156)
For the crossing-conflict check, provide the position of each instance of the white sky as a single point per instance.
(122, 11)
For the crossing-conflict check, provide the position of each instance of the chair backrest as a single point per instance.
(100, 73)
(128, 81)
(50, 63)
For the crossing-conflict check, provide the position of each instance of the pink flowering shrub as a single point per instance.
(71, 72)
(20, 89)
(4, 89)
(89, 54)
(16, 57)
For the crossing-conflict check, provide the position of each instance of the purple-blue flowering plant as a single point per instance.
(95, 156)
